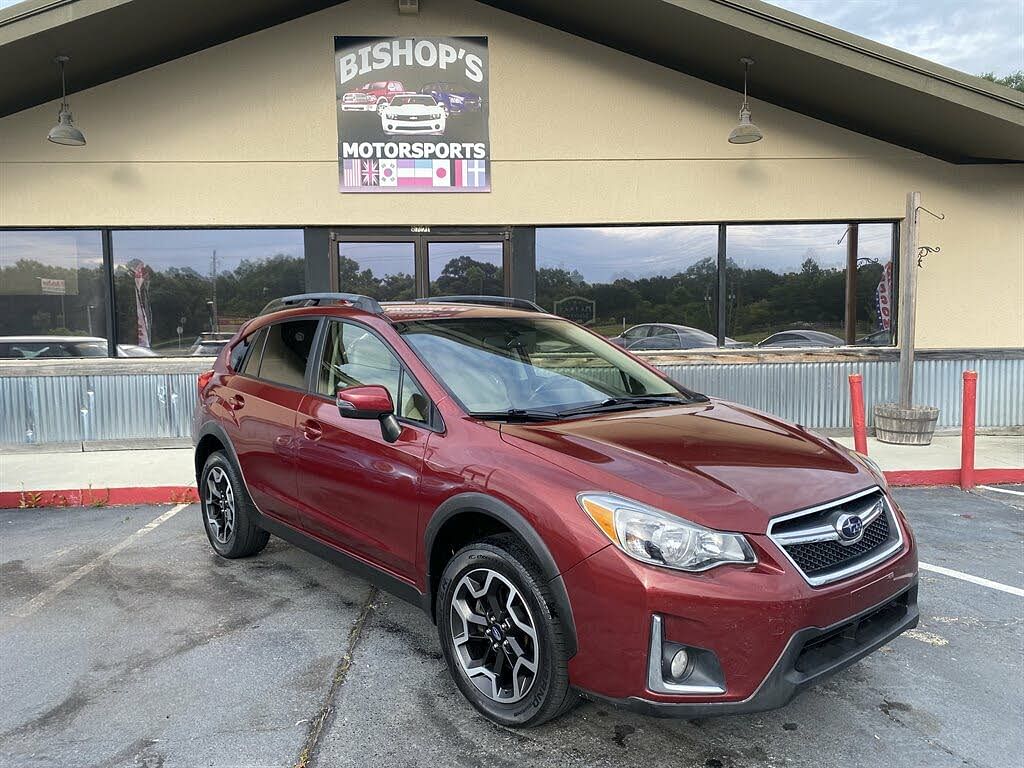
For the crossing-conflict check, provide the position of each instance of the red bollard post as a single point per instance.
(967, 431)
(860, 425)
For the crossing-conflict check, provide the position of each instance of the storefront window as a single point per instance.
(384, 270)
(786, 284)
(185, 292)
(466, 268)
(615, 278)
(53, 294)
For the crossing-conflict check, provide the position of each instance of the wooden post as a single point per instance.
(851, 284)
(908, 301)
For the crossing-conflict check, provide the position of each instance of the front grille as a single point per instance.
(821, 556)
(814, 538)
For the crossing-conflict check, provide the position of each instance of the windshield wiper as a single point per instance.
(516, 414)
(622, 403)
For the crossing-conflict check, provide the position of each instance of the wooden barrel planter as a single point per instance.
(905, 426)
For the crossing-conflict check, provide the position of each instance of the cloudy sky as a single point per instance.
(973, 36)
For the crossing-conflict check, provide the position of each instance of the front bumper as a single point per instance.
(810, 656)
(762, 623)
(432, 126)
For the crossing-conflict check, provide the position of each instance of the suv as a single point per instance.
(453, 99)
(571, 519)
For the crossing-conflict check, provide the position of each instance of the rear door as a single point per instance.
(262, 402)
(359, 492)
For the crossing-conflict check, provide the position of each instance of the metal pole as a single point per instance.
(860, 428)
(851, 284)
(908, 301)
(967, 431)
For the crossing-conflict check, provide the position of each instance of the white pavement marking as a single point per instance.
(52, 591)
(1001, 490)
(973, 579)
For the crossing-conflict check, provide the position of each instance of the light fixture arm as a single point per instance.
(746, 72)
(61, 61)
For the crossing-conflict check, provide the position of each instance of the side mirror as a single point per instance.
(371, 401)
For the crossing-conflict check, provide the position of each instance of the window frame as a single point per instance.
(434, 422)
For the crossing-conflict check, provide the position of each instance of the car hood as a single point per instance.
(413, 109)
(715, 463)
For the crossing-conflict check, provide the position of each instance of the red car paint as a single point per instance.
(717, 464)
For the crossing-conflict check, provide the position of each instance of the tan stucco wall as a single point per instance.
(245, 134)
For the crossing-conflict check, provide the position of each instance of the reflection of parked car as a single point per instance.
(209, 344)
(876, 339)
(801, 338)
(41, 347)
(667, 336)
(576, 524)
(417, 113)
(371, 97)
(453, 99)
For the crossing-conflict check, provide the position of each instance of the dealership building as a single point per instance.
(722, 165)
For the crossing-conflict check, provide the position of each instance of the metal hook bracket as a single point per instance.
(925, 250)
(939, 216)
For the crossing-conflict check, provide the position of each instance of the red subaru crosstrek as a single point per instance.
(571, 519)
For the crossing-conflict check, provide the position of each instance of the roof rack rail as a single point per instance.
(358, 301)
(511, 302)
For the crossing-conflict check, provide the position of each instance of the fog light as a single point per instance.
(679, 664)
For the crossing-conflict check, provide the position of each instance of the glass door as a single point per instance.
(399, 267)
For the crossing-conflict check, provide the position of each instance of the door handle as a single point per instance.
(312, 430)
(234, 403)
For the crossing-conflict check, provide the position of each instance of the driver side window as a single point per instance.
(354, 356)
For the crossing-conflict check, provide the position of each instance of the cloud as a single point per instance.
(975, 37)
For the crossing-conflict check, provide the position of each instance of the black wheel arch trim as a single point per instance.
(213, 429)
(512, 519)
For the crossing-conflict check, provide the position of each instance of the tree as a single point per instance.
(1013, 80)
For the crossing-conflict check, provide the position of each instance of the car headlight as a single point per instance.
(872, 465)
(658, 538)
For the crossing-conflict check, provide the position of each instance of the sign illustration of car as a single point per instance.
(417, 113)
(371, 97)
(453, 99)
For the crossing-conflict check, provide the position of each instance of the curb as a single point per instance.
(183, 494)
(102, 497)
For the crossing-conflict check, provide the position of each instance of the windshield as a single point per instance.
(542, 365)
(401, 101)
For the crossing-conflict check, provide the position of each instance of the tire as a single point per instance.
(514, 697)
(228, 514)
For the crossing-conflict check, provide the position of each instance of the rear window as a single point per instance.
(287, 351)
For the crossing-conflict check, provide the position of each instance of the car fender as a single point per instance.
(504, 513)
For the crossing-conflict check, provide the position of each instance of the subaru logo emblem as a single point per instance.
(850, 528)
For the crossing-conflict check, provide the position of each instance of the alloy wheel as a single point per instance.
(219, 501)
(494, 635)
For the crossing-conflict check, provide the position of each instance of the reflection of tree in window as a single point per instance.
(466, 275)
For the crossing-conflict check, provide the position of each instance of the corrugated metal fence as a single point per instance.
(125, 406)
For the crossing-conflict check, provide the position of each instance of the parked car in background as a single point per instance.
(650, 336)
(453, 99)
(209, 343)
(416, 113)
(801, 338)
(571, 518)
(372, 97)
(43, 347)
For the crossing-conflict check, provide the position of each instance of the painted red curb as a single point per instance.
(98, 497)
(909, 477)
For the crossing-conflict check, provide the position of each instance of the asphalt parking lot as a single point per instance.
(120, 648)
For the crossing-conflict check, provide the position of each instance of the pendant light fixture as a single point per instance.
(746, 132)
(65, 132)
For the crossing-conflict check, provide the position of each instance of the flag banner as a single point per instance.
(412, 114)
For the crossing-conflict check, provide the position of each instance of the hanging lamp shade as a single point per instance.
(65, 132)
(745, 132)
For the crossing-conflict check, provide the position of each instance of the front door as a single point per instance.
(359, 492)
(399, 266)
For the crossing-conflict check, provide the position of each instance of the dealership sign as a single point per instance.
(579, 309)
(52, 285)
(412, 114)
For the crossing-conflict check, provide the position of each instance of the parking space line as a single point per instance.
(973, 579)
(52, 591)
(1001, 490)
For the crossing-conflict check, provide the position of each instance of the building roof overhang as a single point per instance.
(802, 65)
